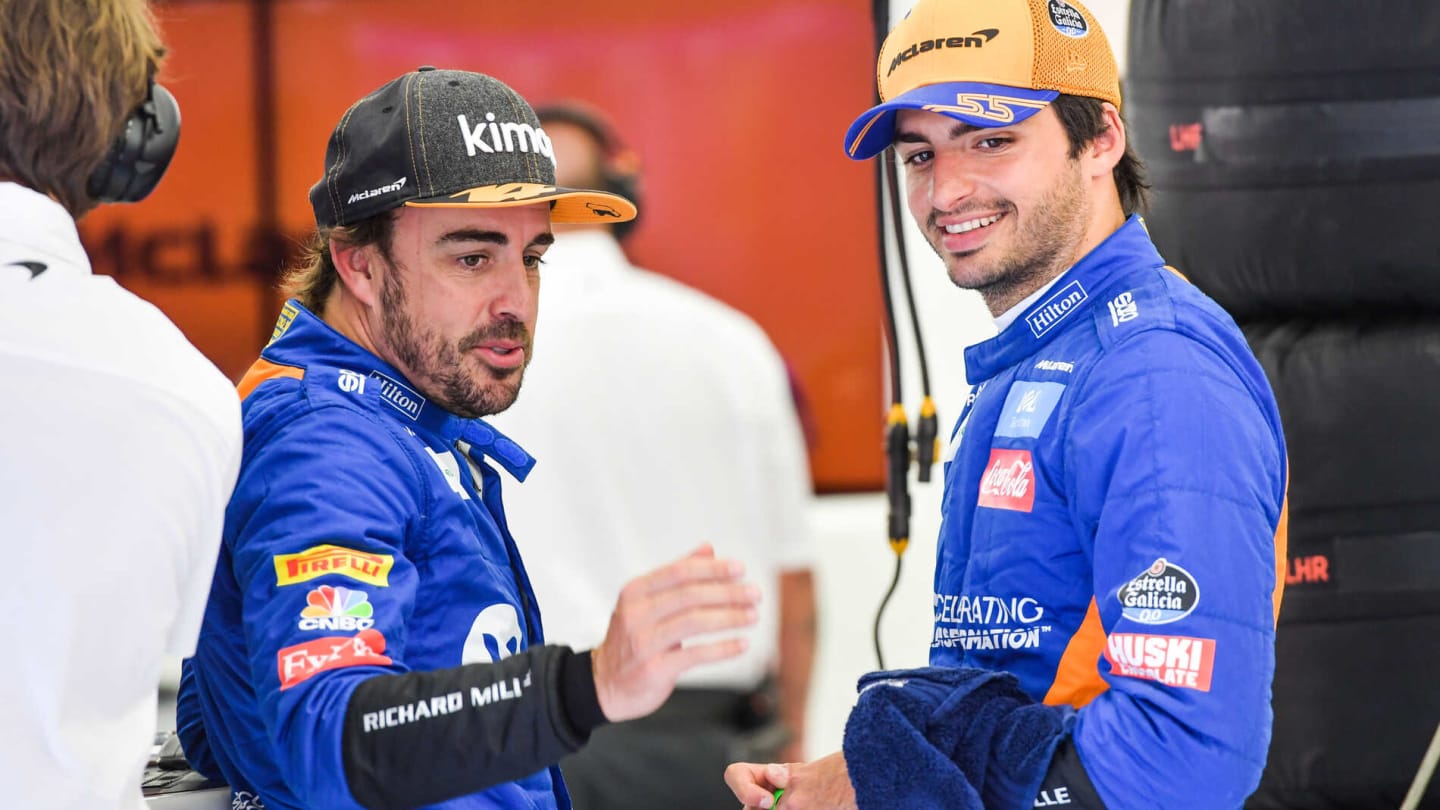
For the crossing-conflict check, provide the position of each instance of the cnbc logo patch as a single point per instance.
(336, 608)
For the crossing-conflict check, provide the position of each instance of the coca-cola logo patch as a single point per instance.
(1009, 481)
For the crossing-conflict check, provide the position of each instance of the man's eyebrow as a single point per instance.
(493, 237)
(956, 131)
(473, 235)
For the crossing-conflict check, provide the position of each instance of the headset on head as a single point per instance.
(142, 151)
(619, 164)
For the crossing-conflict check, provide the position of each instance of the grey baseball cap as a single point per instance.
(451, 139)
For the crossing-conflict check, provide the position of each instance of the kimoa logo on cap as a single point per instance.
(975, 40)
(504, 136)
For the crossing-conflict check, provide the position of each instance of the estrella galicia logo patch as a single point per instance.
(1044, 315)
(1028, 407)
(1164, 593)
(399, 396)
(1067, 19)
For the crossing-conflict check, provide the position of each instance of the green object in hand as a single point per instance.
(778, 793)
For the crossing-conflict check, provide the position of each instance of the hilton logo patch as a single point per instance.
(399, 396)
(1056, 308)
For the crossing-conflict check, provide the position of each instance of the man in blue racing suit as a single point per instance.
(1114, 510)
(371, 638)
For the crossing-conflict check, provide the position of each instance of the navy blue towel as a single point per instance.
(949, 737)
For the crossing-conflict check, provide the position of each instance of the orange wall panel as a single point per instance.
(737, 111)
(190, 247)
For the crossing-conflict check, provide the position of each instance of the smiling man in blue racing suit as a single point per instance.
(1108, 567)
(371, 637)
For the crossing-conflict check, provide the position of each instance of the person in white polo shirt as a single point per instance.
(660, 413)
(121, 442)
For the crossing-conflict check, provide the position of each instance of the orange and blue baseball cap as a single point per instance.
(988, 63)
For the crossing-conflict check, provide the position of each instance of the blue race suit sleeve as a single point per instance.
(190, 726)
(1177, 471)
(329, 503)
(324, 537)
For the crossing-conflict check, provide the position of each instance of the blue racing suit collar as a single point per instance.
(303, 340)
(1072, 293)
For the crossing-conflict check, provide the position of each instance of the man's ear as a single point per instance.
(359, 270)
(1105, 151)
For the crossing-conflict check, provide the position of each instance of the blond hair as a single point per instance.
(71, 71)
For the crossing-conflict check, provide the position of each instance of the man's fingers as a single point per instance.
(695, 568)
(672, 602)
(746, 781)
(680, 661)
(699, 622)
(668, 636)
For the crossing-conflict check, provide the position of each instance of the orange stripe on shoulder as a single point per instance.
(1077, 679)
(264, 370)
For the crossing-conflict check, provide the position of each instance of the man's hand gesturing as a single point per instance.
(643, 653)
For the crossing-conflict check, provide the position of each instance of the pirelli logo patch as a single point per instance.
(317, 561)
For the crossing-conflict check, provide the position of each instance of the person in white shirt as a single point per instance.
(120, 442)
(659, 415)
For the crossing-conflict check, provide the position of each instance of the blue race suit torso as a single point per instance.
(1112, 519)
(366, 536)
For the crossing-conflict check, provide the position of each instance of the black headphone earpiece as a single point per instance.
(142, 151)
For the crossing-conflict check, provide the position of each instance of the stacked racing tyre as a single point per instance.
(1294, 151)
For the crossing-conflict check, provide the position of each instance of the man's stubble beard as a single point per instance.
(439, 373)
(1051, 233)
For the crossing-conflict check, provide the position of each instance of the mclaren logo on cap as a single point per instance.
(975, 40)
(376, 192)
(491, 136)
